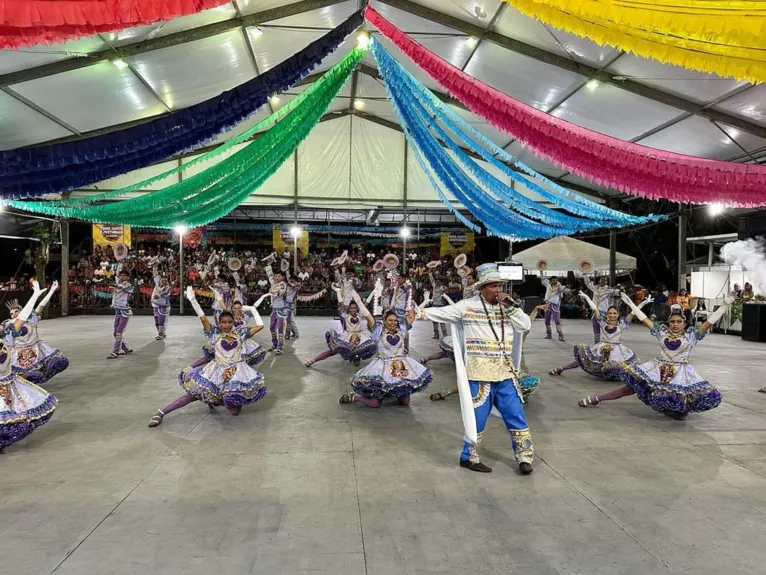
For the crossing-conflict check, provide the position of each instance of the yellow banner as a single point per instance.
(282, 240)
(454, 243)
(110, 234)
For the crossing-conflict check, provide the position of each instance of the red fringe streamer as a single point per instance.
(30, 22)
(632, 168)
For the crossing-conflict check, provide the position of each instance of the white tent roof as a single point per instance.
(564, 254)
(357, 156)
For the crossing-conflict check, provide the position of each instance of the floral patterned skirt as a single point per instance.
(215, 384)
(391, 377)
(603, 360)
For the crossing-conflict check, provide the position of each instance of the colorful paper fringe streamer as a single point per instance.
(55, 168)
(215, 192)
(607, 161)
(30, 22)
(722, 37)
(504, 211)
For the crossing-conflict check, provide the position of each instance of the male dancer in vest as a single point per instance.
(122, 312)
(553, 294)
(160, 303)
(489, 320)
(280, 310)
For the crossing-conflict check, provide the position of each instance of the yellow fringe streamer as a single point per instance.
(725, 38)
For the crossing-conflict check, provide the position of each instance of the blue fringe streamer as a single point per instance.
(34, 171)
(411, 99)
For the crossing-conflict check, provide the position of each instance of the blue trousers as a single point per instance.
(505, 396)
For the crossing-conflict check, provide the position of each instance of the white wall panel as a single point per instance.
(324, 160)
(377, 162)
(138, 176)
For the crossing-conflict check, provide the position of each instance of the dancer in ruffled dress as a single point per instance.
(160, 303)
(227, 380)
(252, 353)
(606, 358)
(669, 383)
(392, 374)
(32, 358)
(602, 296)
(23, 405)
(399, 298)
(122, 314)
(355, 342)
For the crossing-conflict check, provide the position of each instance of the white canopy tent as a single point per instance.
(562, 255)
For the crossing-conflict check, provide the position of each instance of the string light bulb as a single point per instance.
(363, 40)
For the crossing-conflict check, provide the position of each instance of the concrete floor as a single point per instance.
(299, 484)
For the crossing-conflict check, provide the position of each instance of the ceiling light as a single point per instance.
(295, 231)
(180, 229)
(472, 41)
(120, 64)
(274, 100)
(480, 11)
(715, 209)
(404, 232)
(592, 84)
(255, 32)
(359, 104)
(363, 40)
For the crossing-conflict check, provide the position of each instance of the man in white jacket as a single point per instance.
(489, 320)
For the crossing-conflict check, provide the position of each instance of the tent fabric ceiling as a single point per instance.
(562, 254)
(358, 158)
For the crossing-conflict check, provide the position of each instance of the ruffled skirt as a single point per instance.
(232, 386)
(670, 387)
(391, 377)
(23, 408)
(603, 360)
(39, 362)
(350, 345)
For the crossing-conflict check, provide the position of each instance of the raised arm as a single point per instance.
(446, 314)
(646, 302)
(253, 310)
(589, 284)
(364, 312)
(716, 315)
(48, 297)
(641, 316)
(24, 314)
(197, 308)
(591, 304)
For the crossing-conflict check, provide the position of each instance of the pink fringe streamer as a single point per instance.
(606, 161)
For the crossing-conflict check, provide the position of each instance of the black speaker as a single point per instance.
(754, 322)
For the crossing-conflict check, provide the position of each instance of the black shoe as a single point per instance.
(478, 467)
(525, 468)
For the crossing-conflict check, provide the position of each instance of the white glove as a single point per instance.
(721, 311)
(30, 305)
(48, 297)
(253, 310)
(590, 302)
(646, 302)
(193, 301)
(260, 299)
(426, 300)
(363, 311)
(640, 316)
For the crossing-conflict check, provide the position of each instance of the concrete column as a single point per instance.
(64, 268)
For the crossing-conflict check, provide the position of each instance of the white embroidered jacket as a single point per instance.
(485, 354)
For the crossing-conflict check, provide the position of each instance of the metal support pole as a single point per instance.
(710, 254)
(682, 218)
(404, 264)
(612, 257)
(181, 274)
(295, 251)
(64, 268)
